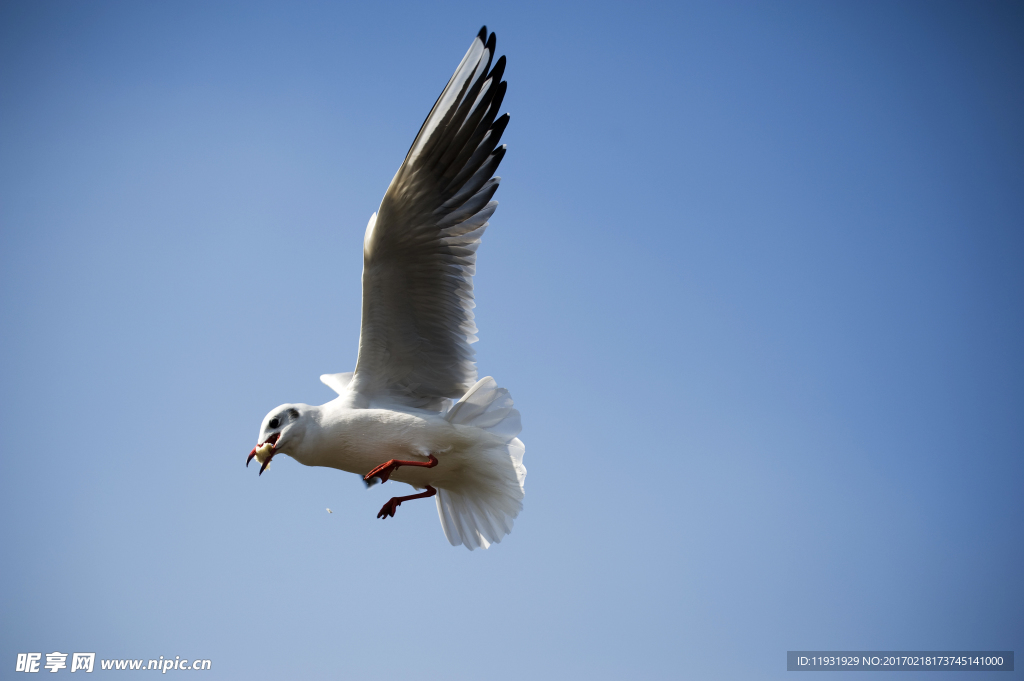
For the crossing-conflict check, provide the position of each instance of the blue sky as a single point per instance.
(755, 284)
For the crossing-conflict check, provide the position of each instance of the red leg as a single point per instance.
(389, 508)
(384, 471)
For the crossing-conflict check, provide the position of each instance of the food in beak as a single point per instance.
(264, 450)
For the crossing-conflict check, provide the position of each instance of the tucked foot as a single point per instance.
(392, 505)
(384, 471)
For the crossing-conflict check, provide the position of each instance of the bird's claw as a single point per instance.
(389, 508)
(371, 481)
(381, 473)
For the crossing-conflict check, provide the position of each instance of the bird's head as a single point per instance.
(282, 429)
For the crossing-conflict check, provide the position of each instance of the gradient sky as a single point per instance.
(756, 284)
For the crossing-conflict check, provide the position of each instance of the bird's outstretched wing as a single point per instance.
(419, 253)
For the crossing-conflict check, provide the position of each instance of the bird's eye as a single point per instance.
(274, 423)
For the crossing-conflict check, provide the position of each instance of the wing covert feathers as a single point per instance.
(419, 254)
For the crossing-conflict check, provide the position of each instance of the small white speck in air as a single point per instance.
(330, 511)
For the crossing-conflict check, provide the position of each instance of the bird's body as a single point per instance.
(393, 417)
(358, 440)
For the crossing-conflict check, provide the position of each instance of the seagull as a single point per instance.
(394, 416)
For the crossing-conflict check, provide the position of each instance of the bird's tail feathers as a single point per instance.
(481, 512)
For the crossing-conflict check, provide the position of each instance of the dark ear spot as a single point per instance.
(294, 413)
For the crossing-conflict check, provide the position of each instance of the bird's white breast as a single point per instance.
(357, 440)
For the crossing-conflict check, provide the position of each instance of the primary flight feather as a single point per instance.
(393, 417)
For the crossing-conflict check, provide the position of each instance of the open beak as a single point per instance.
(264, 449)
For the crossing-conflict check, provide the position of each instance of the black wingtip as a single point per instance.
(491, 42)
(499, 154)
(498, 70)
(499, 96)
(482, 35)
(498, 127)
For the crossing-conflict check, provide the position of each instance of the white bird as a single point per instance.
(393, 417)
